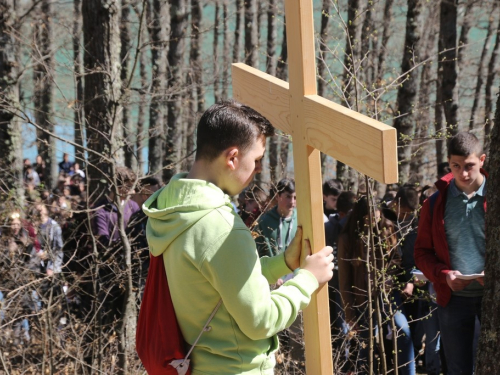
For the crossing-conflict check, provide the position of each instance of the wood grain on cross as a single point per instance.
(316, 124)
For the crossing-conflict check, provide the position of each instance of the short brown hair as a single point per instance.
(464, 144)
(227, 124)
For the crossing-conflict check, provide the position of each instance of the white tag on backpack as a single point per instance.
(181, 365)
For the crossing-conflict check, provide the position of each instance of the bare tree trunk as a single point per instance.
(438, 124)
(323, 34)
(251, 33)
(349, 98)
(385, 39)
(238, 30)
(43, 75)
(448, 62)
(423, 119)
(178, 22)
(489, 339)
(217, 94)
(226, 54)
(157, 16)
(488, 103)
(366, 33)
(407, 92)
(128, 131)
(141, 117)
(77, 66)
(464, 32)
(281, 67)
(195, 80)
(271, 38)
(102, 88)
(10, 127)
(480, 68)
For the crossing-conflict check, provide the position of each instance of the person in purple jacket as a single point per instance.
(111, 259)
(105, 222)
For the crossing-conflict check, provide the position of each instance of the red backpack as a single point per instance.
(159, 340)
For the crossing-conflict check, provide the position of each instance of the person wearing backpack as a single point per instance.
(210, 256)
(451, 243)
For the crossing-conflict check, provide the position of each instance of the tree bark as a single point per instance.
(10, 127)
(464, 32)
(128, 131)
(349, 94)
(323, 34)
(43, 76)
(178, 22)
(480, 68)
(238, 30)
(407, 92)
(488, 102)
(489, 339)
(226, 53)
(423, 120)
(448, 63)
(366, 38)
(195, 81)
(271, 38)
(157, 16)
(215, 53)
(251, 33)
(102, 89)
(281, 67)
(141, 117)
(77, 67)
(384, 42)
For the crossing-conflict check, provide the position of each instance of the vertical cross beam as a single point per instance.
(308, 181)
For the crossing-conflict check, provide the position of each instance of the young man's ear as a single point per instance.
(482, 158)
(232, 154)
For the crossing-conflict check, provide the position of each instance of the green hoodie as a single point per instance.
(210, 254)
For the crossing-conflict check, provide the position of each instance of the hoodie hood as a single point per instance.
(173, 209)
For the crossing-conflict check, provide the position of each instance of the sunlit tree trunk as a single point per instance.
(43, 76)
(407, 92)
(10, 126)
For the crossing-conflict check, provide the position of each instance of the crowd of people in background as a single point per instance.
(51, 237)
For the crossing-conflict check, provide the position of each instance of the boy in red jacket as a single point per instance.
(451, 244)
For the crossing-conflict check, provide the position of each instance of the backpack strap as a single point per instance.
(182, 365)
(432, 202)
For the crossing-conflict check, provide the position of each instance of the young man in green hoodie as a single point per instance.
(210, 254)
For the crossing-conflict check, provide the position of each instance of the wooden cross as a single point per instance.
(316, 124)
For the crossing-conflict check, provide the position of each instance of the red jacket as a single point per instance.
(431, 253)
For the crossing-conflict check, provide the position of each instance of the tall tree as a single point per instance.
(102, 88)
(480, 68)
(428, 47)
(349, 86)
(271, 38)
(488, 102)
(128, 131)
(10, 126)
(271, 69)
(157, 21)
(178, 24)
(489, 339)
(195, 81)
(407, 92)
(238, 29)
(386, 33)
(251, 33)
(141, 116)
(43, 75)
(226, 54)
(448, 63)
(215, 51)
(323, 33)
(77, 67)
